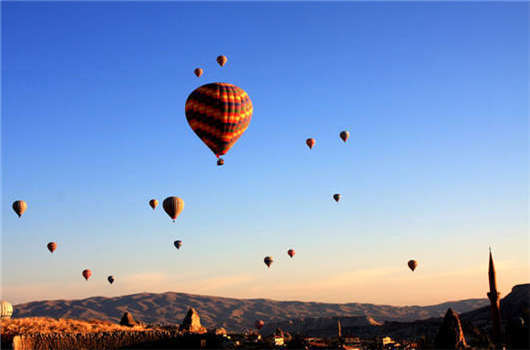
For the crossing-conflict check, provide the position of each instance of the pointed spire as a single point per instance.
(492, 275)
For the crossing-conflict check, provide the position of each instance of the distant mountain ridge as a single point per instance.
(230, 313)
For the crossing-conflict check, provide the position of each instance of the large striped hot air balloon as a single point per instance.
(219, 113)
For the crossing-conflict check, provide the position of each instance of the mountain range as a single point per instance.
(232, 314)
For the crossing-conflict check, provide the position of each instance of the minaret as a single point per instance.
(494, 297)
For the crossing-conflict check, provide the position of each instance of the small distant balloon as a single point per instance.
(52, 246)
(268, 261)
(198, 72)
(19, 207)
(220, 161)
(178, 244)
(412, 264)
(337, 197)
(153, 203)
(344, 135)
(110, 279)
(173, 206)
(86, 274)
(259, 324)
(291, 252)
(310, 142)
(221, 60)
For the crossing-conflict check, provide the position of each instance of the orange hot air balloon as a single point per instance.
(86, 274)
(153, 203)
(52, 246)
(259, 324)
(219, 113)
(412, 264)
(268, 261)
(198, 72)
(310, 142)
(291, 252)
(173, 207)
(221, 60)
(19, 207)
(337, 197)
(344, 135)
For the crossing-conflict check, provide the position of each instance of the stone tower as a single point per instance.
(339, 329)
(494, 297)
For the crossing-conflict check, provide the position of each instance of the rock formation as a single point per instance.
(127, 320)
(192, 322)
(450, 335)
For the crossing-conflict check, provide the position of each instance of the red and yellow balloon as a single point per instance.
(219, 113)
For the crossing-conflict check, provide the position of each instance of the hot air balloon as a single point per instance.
(310, 142)
(412, 264)
(220, 161)
(19, 207)
(221, 60)
(291, 252)
(173, 206)
(178, 244)
(219, 113)
(110, 279)
(268, 261)
(344, 135)
(198, 72)
(153, 203)
(336, 197)
(52, 246)
(259, 324)
(86, 274)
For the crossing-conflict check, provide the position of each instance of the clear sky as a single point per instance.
(435, 96)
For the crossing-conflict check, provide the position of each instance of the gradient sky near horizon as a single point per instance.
(435, 96)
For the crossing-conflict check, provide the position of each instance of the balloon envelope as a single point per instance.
(219, 113)
(198, 72)
(178, 244)
(153, 203)
(173, 206)
(221, 60)
(344, 135)
(310, 142)
(86, 274)
(337, 197)
(52, 246)
(268, 261)
(412, 264)
(291, 252)
(19, 207)
(110, 279)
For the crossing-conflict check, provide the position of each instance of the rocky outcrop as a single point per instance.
(450, 335)
(127, 320)
(192, 322)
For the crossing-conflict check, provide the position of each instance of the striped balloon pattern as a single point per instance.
(219, 113)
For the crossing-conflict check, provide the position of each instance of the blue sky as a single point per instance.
(435, 96)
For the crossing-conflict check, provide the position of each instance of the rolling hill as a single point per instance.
(232, 314)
